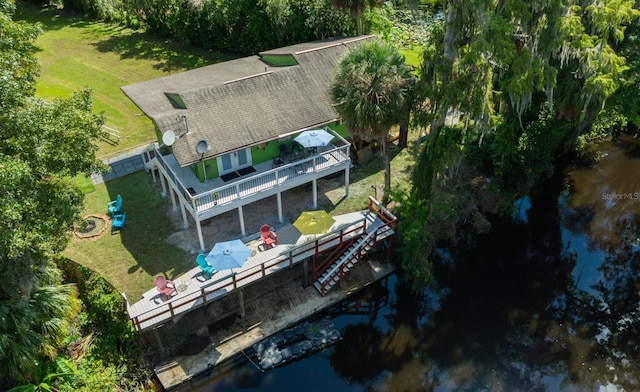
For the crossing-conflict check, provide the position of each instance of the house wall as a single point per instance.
(199, 169)
(260, 153)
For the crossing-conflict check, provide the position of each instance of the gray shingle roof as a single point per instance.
(244, 102)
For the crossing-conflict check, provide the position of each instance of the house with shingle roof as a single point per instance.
(227, 129)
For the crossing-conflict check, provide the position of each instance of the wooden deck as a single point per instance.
(195, 290)
(214, 197)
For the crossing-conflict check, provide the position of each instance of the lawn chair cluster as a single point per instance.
(118, 215)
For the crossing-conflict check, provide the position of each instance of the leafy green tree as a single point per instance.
(370, 88)
(18, 68)
(526, 80)
(356, 8)
(42, 145)
(490, 66)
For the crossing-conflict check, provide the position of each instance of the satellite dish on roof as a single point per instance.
(168, 138)
(202, 147)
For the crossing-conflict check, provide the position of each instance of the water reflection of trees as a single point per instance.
(545, 332)
(366, 352)
(528, 326)
(614, 315)
(512, 318)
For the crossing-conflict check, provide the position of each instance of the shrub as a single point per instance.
(105, 346)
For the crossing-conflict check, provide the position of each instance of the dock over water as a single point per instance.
(299, 277)
(181, 373)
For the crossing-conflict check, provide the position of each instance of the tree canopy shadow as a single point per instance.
(169, 55)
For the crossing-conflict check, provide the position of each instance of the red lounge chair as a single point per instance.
(165, 286)
(269, 237)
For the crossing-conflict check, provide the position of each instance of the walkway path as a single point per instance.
(122, 164)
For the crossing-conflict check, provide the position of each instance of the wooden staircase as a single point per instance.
(341, 261)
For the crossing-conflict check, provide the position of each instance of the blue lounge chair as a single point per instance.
(118, 222)
(206, 268)
(115, 206)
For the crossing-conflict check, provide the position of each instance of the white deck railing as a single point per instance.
(291, 174)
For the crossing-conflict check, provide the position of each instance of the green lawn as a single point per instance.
(130, 259)
(74, 53)
(412, 57)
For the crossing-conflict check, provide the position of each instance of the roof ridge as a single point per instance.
(247, 77)
(331, 45)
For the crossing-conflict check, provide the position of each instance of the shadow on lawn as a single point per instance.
(129, 44)
(170, 56)
(147, 227)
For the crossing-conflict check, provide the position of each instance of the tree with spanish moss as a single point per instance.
(523, 82)
(356, 9)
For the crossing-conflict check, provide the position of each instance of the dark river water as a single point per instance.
(546, 301)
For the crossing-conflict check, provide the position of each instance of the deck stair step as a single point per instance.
(321, 267)
(344, 263)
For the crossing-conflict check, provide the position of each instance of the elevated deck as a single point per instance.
(195, 290)
(206, 200)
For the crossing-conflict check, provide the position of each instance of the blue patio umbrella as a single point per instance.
(314, 138)
(228, 255)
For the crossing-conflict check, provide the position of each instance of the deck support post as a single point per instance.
(346, 181)
(200, 238)
(164, 186)
(156, 335)
(151, 168)
(185, 221)
(279, 199)
(314, 187)
(241, 216)
(305, 272)
(172, 193)
(147, 163)
(241, 303)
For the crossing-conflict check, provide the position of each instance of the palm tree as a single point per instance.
(369, 90)
(34, 327)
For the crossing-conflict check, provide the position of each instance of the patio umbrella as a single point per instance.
(228, 255)
(314, 138)
(314, 222)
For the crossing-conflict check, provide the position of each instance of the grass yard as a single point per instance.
(131, 258)
(74, 53)
(412, 57)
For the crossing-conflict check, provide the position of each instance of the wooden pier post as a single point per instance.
(305, 272)
(156, 335)
(241, 303)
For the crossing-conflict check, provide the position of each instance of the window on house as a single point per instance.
(279, 60)
(176, 100)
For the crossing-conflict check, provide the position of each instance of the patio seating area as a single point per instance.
(196, 287)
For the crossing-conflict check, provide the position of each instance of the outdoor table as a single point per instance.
(184, 284)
